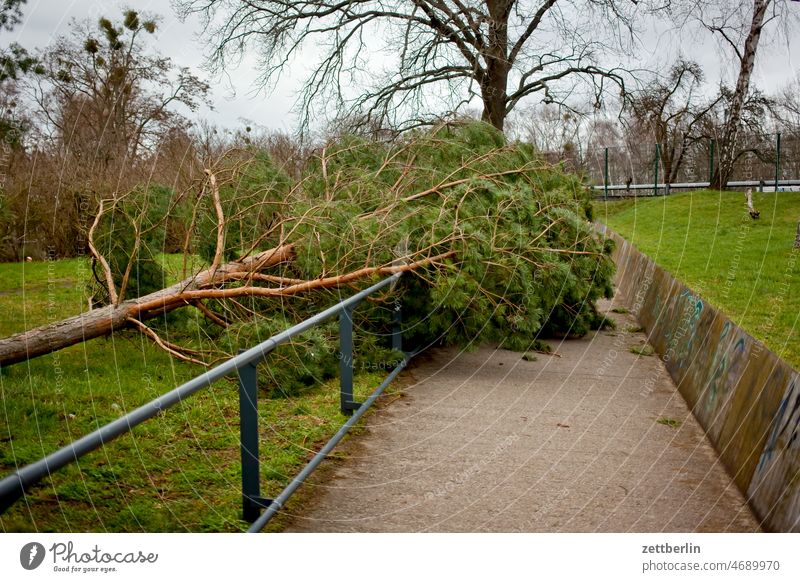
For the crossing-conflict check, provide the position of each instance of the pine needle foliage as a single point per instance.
(525, 262)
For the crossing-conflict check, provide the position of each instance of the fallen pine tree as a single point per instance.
(498, 243)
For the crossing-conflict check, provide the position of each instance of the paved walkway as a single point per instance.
(594, 438)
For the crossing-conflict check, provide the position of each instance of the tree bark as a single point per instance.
(102, 321)
(494, 84)
(727, 144)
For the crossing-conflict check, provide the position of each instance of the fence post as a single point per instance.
(777, 161)
(605, 176)
(346, 403)
(248, 432)
(711, 162)
(655, 183)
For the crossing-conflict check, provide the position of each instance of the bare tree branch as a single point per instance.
(220, 246)
(112, 290)
(170, 348)
(446, 52)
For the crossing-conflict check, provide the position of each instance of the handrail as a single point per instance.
(13, 486)
(274, 505)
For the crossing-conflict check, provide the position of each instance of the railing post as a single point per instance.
(397, 334)
(777, 162)
(346, 403)
(248, 432)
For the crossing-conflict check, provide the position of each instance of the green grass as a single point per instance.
(179, 471)
(33, 294)
(670, 422)
(747, 268)
(644, 350)
(37, 293)
(37, 275)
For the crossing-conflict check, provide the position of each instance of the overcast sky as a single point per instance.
(237, 101)
(234, 100)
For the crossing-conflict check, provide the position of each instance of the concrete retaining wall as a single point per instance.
(746, 398)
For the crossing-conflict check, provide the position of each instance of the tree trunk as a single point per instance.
(727, 144)
(797, 238)
(494, 106)
(494, 85)
(102, 321)
(677, 163)
(667, 153)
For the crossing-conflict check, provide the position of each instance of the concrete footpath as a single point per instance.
(593, 438)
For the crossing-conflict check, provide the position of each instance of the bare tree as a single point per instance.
(497, 52)
(668, 111)
(739, 26)
(606, 133)
(788, 121)
(103, 105)
(788, 105)
(747, 58)
(555, 131)
(106, 100)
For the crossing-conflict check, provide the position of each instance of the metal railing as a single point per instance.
(769, 158)
(665, 188)
(245, 364)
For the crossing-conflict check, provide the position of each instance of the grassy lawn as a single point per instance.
(177, 472)
(747, 268)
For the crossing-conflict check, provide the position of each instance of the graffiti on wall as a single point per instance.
(718, 366)
(775, 487)
(748, 402)
(785, 428)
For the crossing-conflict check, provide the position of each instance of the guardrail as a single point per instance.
(245, 364)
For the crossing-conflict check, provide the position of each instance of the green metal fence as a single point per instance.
(764, 161)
